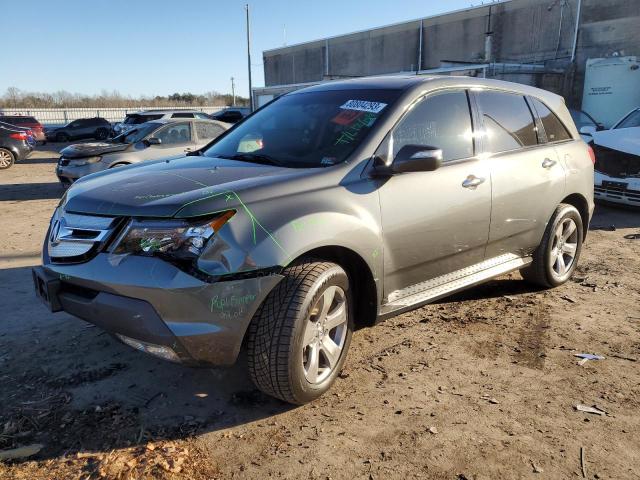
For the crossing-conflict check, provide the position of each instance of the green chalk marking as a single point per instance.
(230, 301)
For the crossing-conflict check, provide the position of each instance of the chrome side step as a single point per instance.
(420, 294)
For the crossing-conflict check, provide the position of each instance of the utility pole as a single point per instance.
(249, 58)
(233, 92)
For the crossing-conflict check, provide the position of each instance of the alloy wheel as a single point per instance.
(564, 247)
(324, 335)
(5, 159)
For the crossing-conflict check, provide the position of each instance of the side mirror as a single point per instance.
(154, 141)
(600, 127)
(588, 130)
(416, 158)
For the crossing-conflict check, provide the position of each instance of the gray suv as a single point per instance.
(333, 207)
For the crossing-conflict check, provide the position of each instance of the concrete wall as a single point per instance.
(522, 31)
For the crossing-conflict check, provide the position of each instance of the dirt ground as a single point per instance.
(482, 385)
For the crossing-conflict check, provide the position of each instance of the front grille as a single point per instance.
(610, 193)
(74, 238)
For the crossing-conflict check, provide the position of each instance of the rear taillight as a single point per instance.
(592, 154)
(18, 136)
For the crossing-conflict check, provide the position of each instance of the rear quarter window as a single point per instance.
(553, 126)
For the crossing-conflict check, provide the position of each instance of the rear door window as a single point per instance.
(507, 120)
(207, 131)
(174, 133)
(441, 121)
(553, 126)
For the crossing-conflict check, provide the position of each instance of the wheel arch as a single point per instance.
(582, 206)
(364, 290)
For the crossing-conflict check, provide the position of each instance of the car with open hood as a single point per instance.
(617, 168)
(148, 141)
(331, 207)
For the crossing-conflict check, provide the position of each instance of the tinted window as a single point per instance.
(174, 133)
(553, 127)
(182, 115)
(306, 129)
(441, 121)
(207, 131)
(631, 120)
(508, 122)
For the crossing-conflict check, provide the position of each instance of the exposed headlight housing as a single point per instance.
(175, 239)
(84, 161)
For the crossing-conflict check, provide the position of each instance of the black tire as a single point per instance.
(62, 137)
(543, 270)
(7, 159)
(101, 134)
(275, 350)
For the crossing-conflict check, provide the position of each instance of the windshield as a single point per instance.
(314, 129)
(631, 120)
(582, 119)
(136, 134)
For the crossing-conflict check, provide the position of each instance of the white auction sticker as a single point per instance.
(364, 106)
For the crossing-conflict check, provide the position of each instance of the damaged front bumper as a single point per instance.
(156, 307)
(617, 176)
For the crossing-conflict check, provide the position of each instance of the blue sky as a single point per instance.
(144, 47)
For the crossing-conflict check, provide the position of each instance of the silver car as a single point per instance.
(332, 207)
(148, 141)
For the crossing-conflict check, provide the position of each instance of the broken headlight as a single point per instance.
(178, 239)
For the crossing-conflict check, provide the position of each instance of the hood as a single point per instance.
(625, 140)
(90, 149)
(182, 187)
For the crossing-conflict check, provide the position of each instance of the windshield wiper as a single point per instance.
(253, 158)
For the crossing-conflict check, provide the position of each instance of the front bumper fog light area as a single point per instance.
(161, 351)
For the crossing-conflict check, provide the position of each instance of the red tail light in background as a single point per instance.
(18, 135)
(592, 154)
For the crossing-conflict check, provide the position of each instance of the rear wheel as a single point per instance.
(6, 158)
(101, 134)
(556, 258)
(298, 339)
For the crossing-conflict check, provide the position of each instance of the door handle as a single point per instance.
(548, 163)
(472, 181)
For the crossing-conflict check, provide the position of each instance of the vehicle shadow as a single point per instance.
(610, 217)
(73, 388)
(31, 191)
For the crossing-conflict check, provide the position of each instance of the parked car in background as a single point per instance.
(583, 119)
(147, 141)
(231, 114)
(31, 139)
(333, 206)
(133, 119)
(14, 145)
(617, 151)
(26, 122)
(97, 128)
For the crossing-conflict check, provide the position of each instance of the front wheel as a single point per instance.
(298, 339)
(556, 258)
(62, 137)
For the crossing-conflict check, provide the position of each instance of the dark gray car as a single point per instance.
(97, 128)
(333, 207)
(148, 141)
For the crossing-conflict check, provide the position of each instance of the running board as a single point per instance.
(429, 291)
